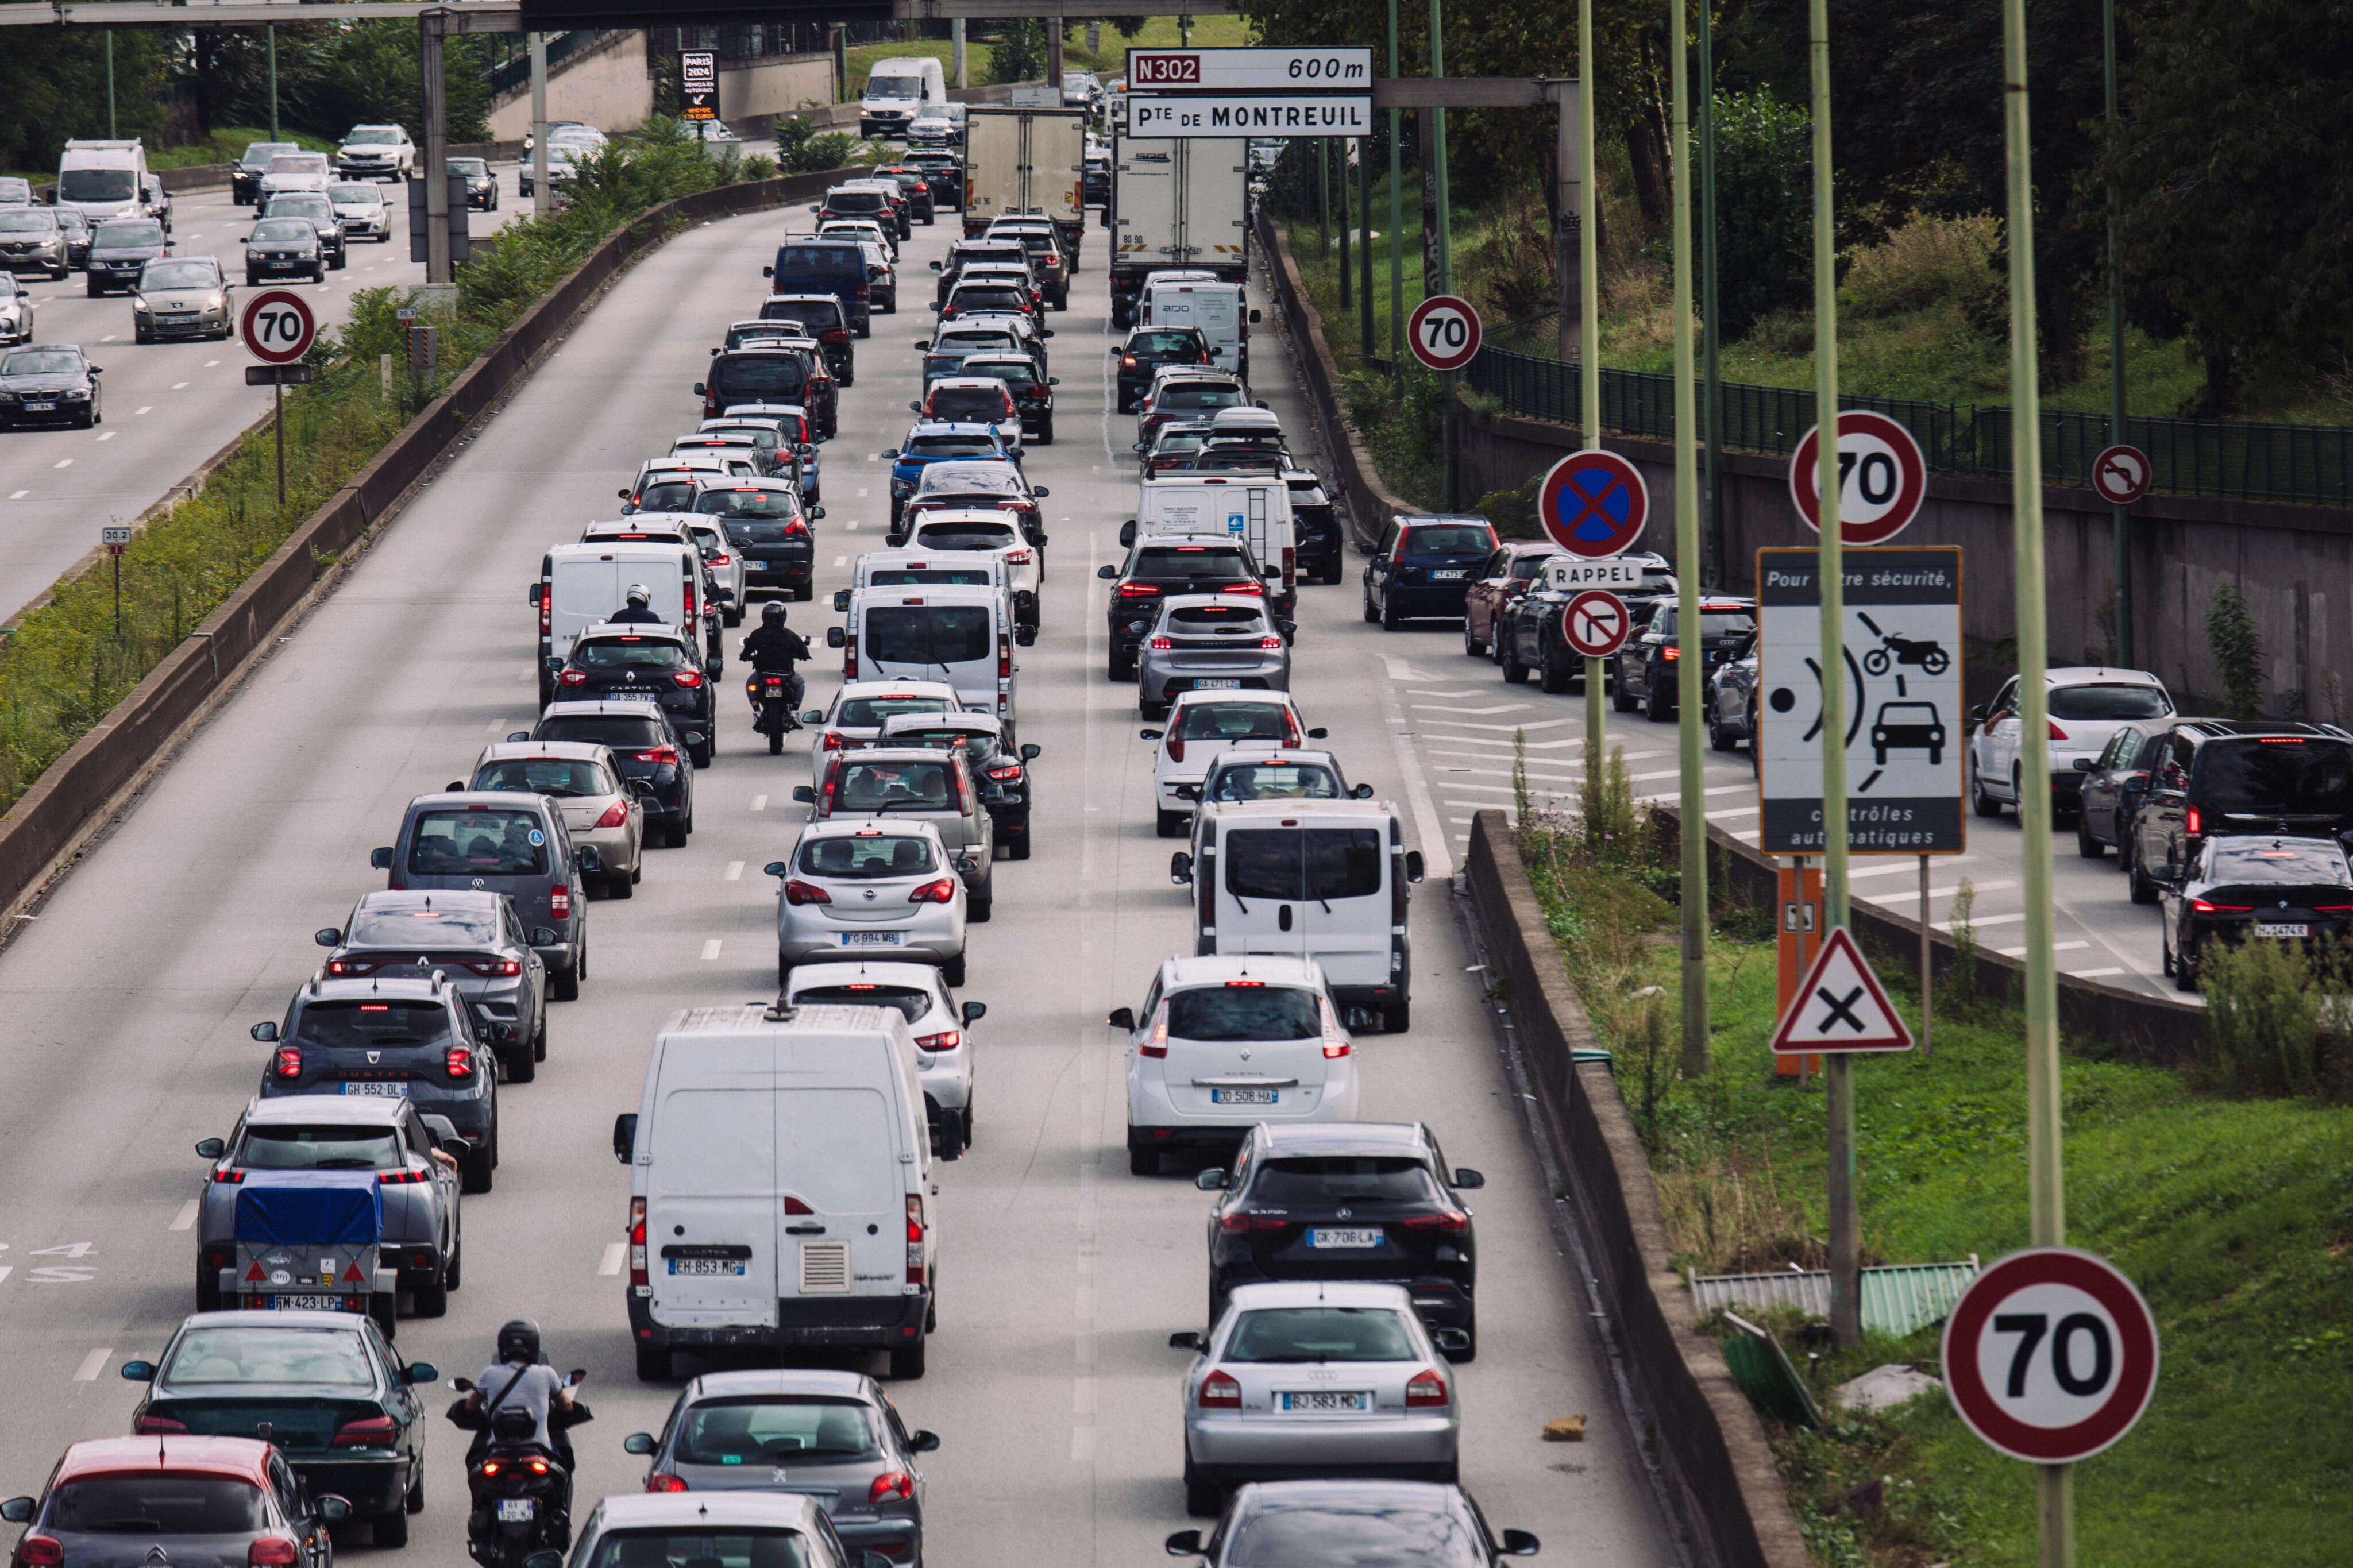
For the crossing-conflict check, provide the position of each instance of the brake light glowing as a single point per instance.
(1138, 591)
(835, 740)
(159, 1424)
(1236, 1224)
(637, 1243)
(1010, 770)
(1270, 642)
(1004, 655)
(1335, 1043)
(665, 755)
(1016, 558)
(459, 1062)
(371, 1432)
(945, 1040)
(400, 1178)
(40, 1551)
(272, 1551)
(1451, 1221)
(940, 892)
(915, 1238)
(1219, 1391)
(572, 677)
(798, 892)
(1161, 644)
(689, 678)
(1671, 653)
(2195, 824)
(559, 903)
(615, 815)
(229, 1178)
(663, 1481)
(288, 1062)
(2203, 907)
(1243, 589)
(1426, 1392)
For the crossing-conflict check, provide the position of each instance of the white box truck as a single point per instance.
(1026, 161)
(1176, 203)
(1251, 505)
(103, 179)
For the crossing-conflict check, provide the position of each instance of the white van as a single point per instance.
(580, 586)
(923, 631)
(949, 568)
(780, 1186)
(1193, 299)
(1253, 506)
(1320, 879)
(103, 179)
(899, 91)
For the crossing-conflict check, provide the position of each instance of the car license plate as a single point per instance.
(1216, 684)
(710, 1266)
(1326, 1399)
(2285, 927)
(380, 1090)
(306, 1304)
(1243, 1097)
(1323, 1235)
(41, 407)
(871, 937)
(517, 1509)
(1448, 576)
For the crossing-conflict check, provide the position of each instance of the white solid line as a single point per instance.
(2092, 973)
(6, 1271)
(1981, 920)
(92, 1365)
(2056, 947)
(734, 871)
(1911, 868)
(711, 950)
(759, 803)
(1716, 815)
(614, 1252)
(187, 1216)
(842, 561)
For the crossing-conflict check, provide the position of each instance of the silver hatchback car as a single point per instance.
(1209, 642)
(1316, 1378)
(869, 887)
(474, 938)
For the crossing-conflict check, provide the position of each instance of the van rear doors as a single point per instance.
(961, 636)
(711, 1187)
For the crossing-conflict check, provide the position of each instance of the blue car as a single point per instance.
(929, 441)
(1424, 567)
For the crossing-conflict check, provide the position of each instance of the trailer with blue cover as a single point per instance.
(308, 1241)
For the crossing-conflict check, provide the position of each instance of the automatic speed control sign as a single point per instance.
(2051, 1355)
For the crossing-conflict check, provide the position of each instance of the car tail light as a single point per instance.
(2332, 908)
(1219, 1391)
(1236, 1224)
(369, 1432)
(849, 657)
(546, 609)
(2194, 823)
(272, 1551)
(559, 903)
(615, 815)
(1450, 1221)
(1161, 644)
(490, 1466)
(572, 677)
(40, 1551)
(723, 561)
(1138, 591)
(798, 892)
(2056, 733)
(835, 335)
(402, 1179)
(690, 679)
(915, 1238)
(1290, 735)
(1270, 642)
(1004, 655)
(637, 1243)
(229, 1178)
(459, 1061)
(496, 966)
(1127, 361)
(1290, 562)
(158, 1424)
(945, 1040)
(890, 1484)
(665, 756)
(1426, 1390)
(1243, 589)
(1156, 1044)
(1176, 747)
(288, 1062)
(2203, 907)
(663, 1481)
(1671, 653)
(940, 892)
(1016, 558)
(835, 740)
(1335, 1043)
(1010, 770)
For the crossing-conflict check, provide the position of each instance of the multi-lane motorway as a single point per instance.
(1049, 1381)
(168, 406)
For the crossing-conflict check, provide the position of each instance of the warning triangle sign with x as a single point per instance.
(1841, 1006)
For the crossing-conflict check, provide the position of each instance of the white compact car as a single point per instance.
(943, 1031)
(868, 886)
(1202, 726)
(2088, 705)
(858, 711)
(1222, 1044)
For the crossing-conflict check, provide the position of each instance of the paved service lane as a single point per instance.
(1062, 1275)
(168, 406)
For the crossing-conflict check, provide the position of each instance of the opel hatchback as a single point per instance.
(863, 886)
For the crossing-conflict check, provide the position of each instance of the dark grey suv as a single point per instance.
(499, 842)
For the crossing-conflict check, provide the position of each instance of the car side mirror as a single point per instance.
(381, 858)
(138, 1372)
(2138, 786)
(588, 858)
(814, 716)
(544, 1560)
(624, 494)
(1319, 734)
(520, 735)
(891, 454)
(554, 661)
(935, 307)
(805, 797)
(1053, 381)
(1127, 532)
(923, 1442)
(2083, 764)
(699, 390)
(1413, 865)
(836, 638)
(421, 1373)
(1520, 1543)
(536, 590)
(1212, 1180)
(1108, 573)
(768, 272)
(625, 1136)
(1977, 714)
(1180, 867)
(637, 1443)
(1254, 318)
(1188, 791)
(973, 1012)
(1361, 791)
(333, 1510)
(937, 265)
(327, 936)
(1184, 1543)
(1468, 1179)
(266, 1032)
(1149, 734)
(1450, 1342)
(544, 936)
(17, 1511)
(1187, 1339)
(212, 1148)
(1122, 1019)
(817, 512)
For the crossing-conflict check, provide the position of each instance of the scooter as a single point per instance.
(520, 1489)
(773, 696)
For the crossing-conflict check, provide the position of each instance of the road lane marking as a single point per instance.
(1909, 870)
(2056, 947)
(2092, 973)
(64, 463)
(187, 1216)
(842, 561)
(92, 1365)
(143, 410)
(734, 871)
(110, 337)
(759, 803)
(711, 950)
(210, 363)
(1451, 707)
(107, 436)
(19, 495)
(614, 1252)
(862, 495)
(179, 386)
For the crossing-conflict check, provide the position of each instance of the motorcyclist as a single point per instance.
(521, 1379)
(638, 607)
(773, 647)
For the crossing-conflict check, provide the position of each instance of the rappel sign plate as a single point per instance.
(1841, 1006)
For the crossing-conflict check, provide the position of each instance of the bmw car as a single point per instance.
(51, 385)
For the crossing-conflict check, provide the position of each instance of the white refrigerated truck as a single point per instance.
(1181, 202)
(1026, 161)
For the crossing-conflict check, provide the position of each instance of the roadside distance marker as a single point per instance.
(1840, 1006)
(2051, 1355)
(1594, 622)
(2121, 475)
(1593, 504)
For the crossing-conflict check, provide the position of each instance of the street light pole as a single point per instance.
(1694, 895)
(1396, 216)
(273, 80)
(2119, 523)
(1711, 334)
(1445, 280)
(1589, 352)
(542, 200)
(110, 86)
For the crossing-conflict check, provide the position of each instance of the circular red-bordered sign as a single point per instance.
(1883, 477)
(278, 326)
(1443, 332)
(2051, 1355)
(1594, 622)
(2121, 475)
(1593, 504)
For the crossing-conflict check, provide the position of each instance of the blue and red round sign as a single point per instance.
(1594, 503)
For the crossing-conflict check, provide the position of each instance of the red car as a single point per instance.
(188, 1500)
(1505, 577)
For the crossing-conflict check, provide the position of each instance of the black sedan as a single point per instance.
(2260, 890)
(1645, 673)
(53, 384)
(120, 249)
(337, 1401)
(1005, 768)
(481, 185)
(650, 662)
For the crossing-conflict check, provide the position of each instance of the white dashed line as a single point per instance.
(179, 386)
(63, 463)
(862, 495)
(842, 561)
(107, 436)
(711, 950)
(142, 409)
(92, 1365)
(19, 495)
(2056, 947)
(759, 803)
(734, 871)
(110, 337)
(2092, 973)
(614, 1252)
(186, 1217)
(210, 363)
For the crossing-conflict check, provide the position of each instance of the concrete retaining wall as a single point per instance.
(604, 85)
(753, 94)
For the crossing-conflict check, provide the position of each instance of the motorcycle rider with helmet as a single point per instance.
(638, 608)
(520, 1379)
(773, 647)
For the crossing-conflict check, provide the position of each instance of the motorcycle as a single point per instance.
(520, 1489)
(773, 696)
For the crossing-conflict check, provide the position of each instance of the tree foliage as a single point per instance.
(1763, 206)
(1019, 52)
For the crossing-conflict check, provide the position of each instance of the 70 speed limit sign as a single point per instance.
(2051, 1355)
(1443, 331)
(278, 326)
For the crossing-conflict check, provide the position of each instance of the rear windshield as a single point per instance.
(629, 653)
(156, 1505)
(560, 777)
(882, 855)
(332, 1356)
(1161, 345)
(867, 713)
(1448, 540)
(748, 502)
(479, 844)
(1157, 562)
(958, 446)
(856, 201)
(746, 530)
(320, 1149)
(1309, 1181)
(1233, 721)
(912, 1001)
(1321, 1333)
(929, 634)
(1245, 1012)
(1212, 617)
(1371, 1529)
(2274, 775)
(773, 1428)
(983, 404)
(988, 297)
(893, 576)
(1013, 373)
(111, 235)
(678, 1548)
(762, 378)
(807, 312)
(414, 928)
(964, 479)
(1304, 862)
(2120, 701)
(669, 495)
(1732, 623)
(914, 785)
(605, 730)
(1191, 394)
(359, 1022)
(2243, 861)
(1276, 781)
(792, 258)
(964, 536)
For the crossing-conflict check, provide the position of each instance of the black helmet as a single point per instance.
(519, 1340)
(773, 611)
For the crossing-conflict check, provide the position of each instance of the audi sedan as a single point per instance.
(183, 297)
(52, 385)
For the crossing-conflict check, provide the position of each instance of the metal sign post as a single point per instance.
(279, 330)
(1594, 505)
(116, 539)
(1689, 569)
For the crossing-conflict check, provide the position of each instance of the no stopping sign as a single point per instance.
(2051, 1355)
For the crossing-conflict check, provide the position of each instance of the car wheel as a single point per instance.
(450, 1280)
(564, 984)
(1722, 739)
(1556, 675)
(1046, 434)
(1656, 707)
(415, 1501)
(2185, 971)
(384, 1309)
(208, 1291)
(1168, 824)
(1397, 1017)
(1515, 672)
(953, 971)
(1981, 803)
(621, 885)
(1143, 1160)
(392, 1529)
(2089, 848)
(90, 288)
(1120, 669)
(2144, 890)
(907, 1360)
(1621, 700)
(141, 335)
(478, 1165)
(522, 1065)
(1203, 1500)
(731, 618)
(977, 910)
(1390, 619)
(653, 1364)
(1472, 647)
(539, 1037)
(431, 1297)
(700, 755)
(1018, 849)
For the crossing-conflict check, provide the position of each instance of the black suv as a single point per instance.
(1387, 1183)
(1147, 348)
(1645, 672)
(2220, 777)
(647, 745)
(653, 661)
(1157, 567)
